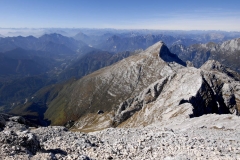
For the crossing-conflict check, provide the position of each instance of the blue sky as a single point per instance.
(122, 14)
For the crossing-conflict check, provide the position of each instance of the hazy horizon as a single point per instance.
(35, 28)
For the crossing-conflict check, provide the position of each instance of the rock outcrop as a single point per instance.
(132, 105)
(15, 138)
(207, 90)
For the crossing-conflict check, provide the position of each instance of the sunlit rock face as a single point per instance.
(189, 92)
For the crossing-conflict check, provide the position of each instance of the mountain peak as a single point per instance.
(154, 49)
(160, 50)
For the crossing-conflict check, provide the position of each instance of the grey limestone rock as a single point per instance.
(16, 137)
(207, 90)
(130, 106)
(207, 137)
(18, 119)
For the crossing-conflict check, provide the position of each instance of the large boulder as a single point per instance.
(29, 141)
(18, 142)
(18, 119)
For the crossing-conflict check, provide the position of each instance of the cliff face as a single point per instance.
(189, 92)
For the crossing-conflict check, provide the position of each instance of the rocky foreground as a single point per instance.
(207, 137)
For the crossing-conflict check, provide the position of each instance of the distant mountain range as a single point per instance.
(41, 43)
(130, 41)
(29, 63)
(203, 36)
(117, 44)
(227, 53)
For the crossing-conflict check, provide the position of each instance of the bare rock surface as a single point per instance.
(188, 92)
(16, 138)
(210, 136)
(207, 137)
(21, 141)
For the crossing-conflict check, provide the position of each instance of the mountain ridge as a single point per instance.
(106, 80)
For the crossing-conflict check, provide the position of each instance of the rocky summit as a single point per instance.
(151, 105)
(210, 136)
